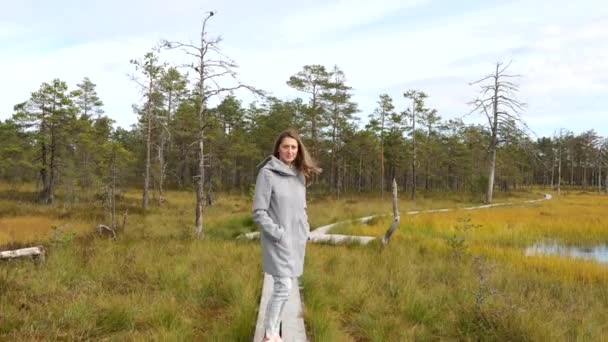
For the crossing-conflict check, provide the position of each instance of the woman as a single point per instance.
(279, 209)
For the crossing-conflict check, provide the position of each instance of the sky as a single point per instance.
(560, 49)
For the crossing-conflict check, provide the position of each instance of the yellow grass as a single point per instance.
(570, 219)
(24, 229)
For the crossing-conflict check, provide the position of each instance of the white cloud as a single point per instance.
(562, 53)
(106, 63)
(337, 15)
(10, 30)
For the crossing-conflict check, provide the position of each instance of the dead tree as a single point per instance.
(498, 104)
(210, 66)
(396, 218)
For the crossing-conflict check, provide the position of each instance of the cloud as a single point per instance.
(341, 15)
(386, 46)
(106, 63)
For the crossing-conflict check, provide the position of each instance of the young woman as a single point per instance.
(279, 210)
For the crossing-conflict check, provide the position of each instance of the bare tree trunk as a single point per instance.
(396, 218)
(490, 191)
(382, 157)
(47, 194)
(427, 177)
(559, 172)
(333, 155)
(48, 191)
(113, 193)
(146, 195)
(553, 172)
(341, 163)
(162, 168)
(413, 195)
(599, 174)
(584, 181)
(208, 197)
(200, 181)
(571, 169)
(162, 160)
(360, 172)
(494, 142)
(43, 171)
(341, 179)
(427, 159)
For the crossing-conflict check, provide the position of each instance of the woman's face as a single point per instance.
(288, 150)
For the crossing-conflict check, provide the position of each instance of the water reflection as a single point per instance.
(598, 253)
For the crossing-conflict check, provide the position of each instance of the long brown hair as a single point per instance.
(303, 161)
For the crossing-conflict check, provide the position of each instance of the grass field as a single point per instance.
(462, 275)
(458, 275)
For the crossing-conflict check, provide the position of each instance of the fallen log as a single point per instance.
(36, 252)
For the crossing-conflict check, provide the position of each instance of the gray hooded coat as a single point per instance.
(279, 210)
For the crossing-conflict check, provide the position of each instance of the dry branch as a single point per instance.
(102, 230)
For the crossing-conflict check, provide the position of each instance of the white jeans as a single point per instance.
(276, 303)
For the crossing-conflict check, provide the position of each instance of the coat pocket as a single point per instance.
(303, 230)
(284, 248)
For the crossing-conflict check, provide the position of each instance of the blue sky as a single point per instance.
(383, 46)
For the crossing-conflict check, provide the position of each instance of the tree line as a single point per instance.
(62, 138)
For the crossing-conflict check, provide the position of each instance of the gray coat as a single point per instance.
(279, 210)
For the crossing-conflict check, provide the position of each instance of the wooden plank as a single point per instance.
(293, 327)
(266, 292)
(293, 318)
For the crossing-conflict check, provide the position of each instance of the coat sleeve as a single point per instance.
(261, 204)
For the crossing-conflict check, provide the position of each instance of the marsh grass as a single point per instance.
(140, 288)
(158, 283)
(415, 289)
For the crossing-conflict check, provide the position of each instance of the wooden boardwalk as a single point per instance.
(292, 320)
